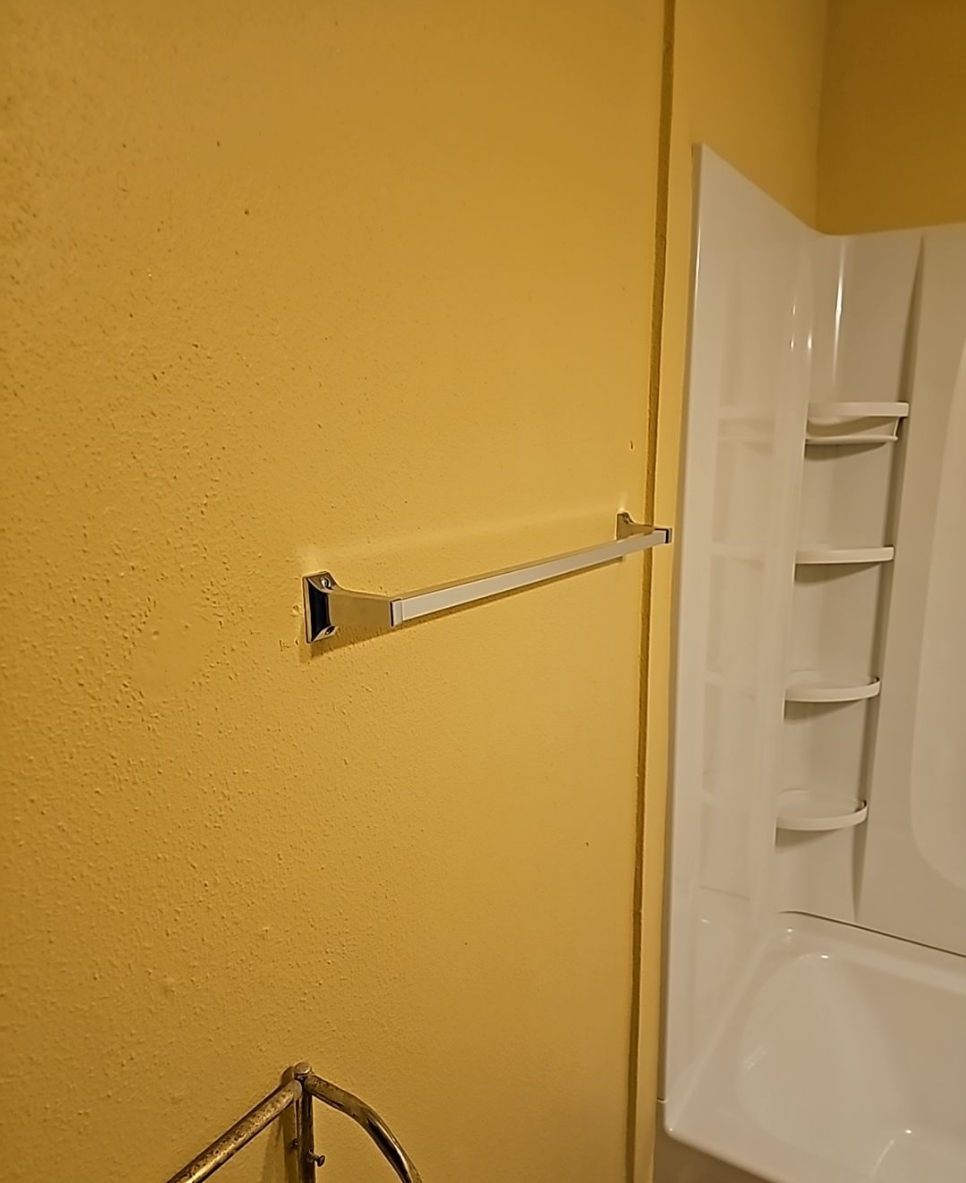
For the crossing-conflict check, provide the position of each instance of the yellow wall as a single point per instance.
(893, 139)
(366, 287)
(359, 285)
(747, 82)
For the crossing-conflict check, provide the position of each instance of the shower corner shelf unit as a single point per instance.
(815, 686)
(854, 423)
(826, 555)
(812, 812)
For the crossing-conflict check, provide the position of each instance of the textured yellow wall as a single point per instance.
(893, 141)
(356, 285)
(747, 82)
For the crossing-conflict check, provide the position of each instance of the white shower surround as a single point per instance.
(821, 656)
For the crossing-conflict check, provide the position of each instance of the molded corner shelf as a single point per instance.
(802, 809)
(818, 441)
(837, 423)
(813, 686)
(852, 554)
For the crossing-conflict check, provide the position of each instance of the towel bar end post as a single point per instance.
(329, 607)
(628, 528)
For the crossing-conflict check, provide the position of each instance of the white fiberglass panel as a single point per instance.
(819, 759)
(939, 739)
(746, 416)
(914, 882)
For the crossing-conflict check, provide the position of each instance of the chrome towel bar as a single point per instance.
(299, 1091)
(329, 607)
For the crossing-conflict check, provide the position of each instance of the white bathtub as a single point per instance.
(842, 1058)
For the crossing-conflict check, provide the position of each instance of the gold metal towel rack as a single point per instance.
(300, 1089)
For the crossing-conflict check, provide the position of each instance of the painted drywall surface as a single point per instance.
(892, 150)
(360, 286)
(747, 82)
